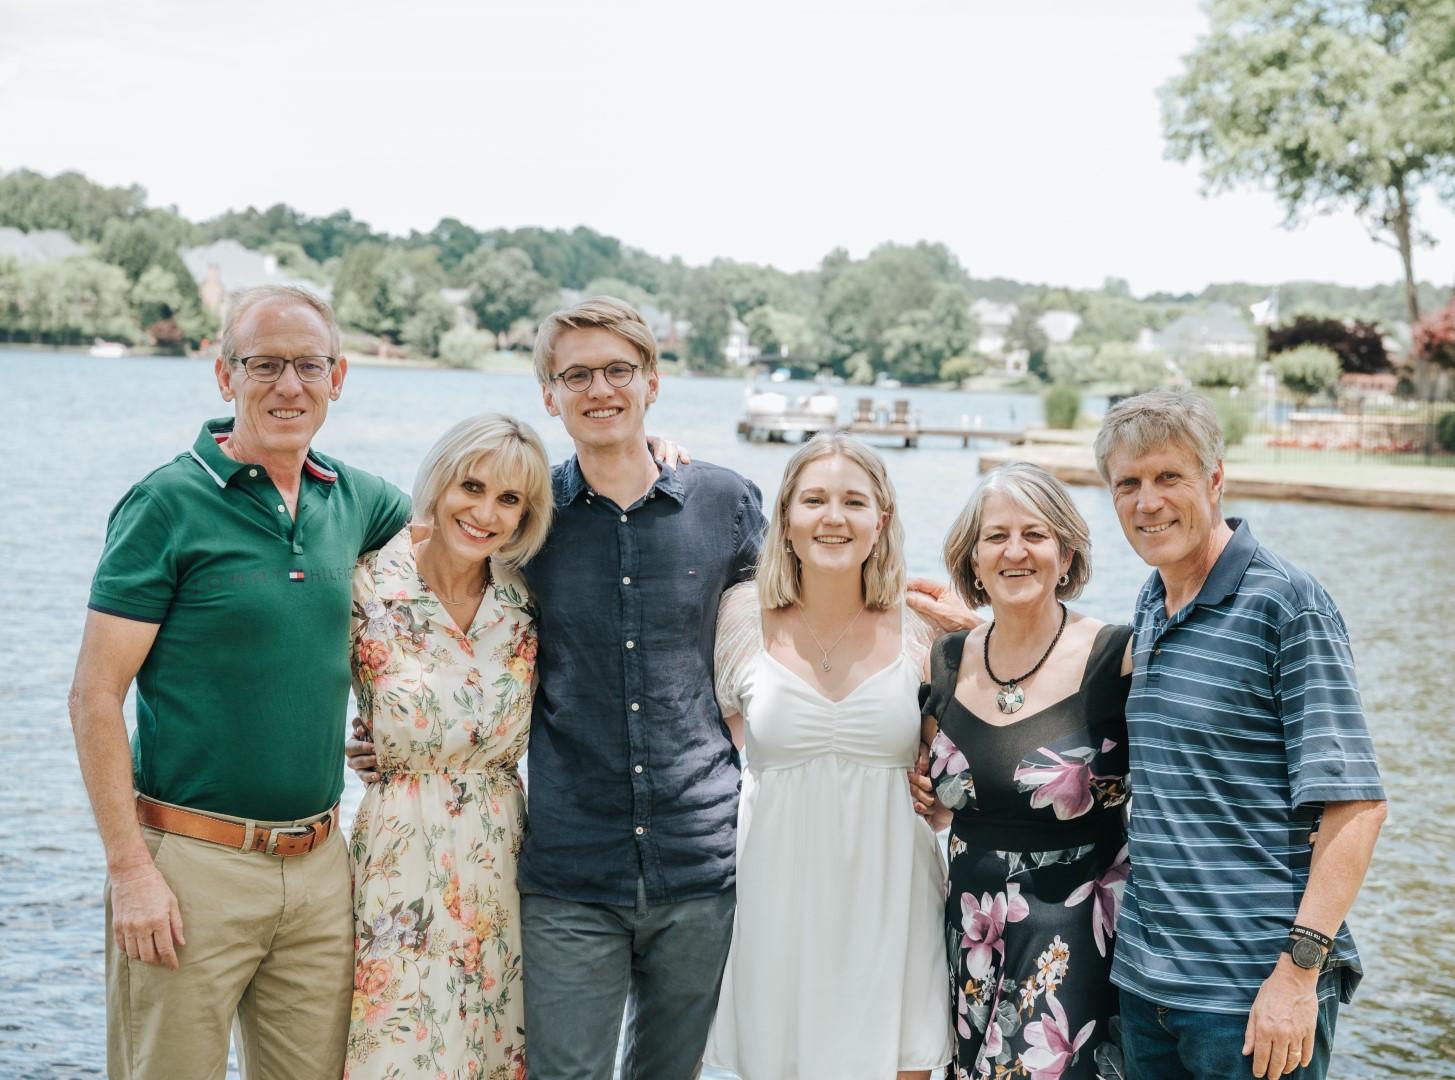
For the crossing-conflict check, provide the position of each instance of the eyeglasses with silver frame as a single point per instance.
(618, 373)
(267, 369)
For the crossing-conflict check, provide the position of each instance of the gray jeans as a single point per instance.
(583, 964)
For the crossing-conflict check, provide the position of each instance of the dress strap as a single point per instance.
(1104, 668)
(945, 655)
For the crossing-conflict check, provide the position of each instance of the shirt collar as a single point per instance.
(397, 577)
(1224, 578)
(207, 451)
(571, 483)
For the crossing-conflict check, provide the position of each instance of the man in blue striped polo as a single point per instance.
(1247, 737)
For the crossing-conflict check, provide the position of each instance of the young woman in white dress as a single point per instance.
(838, 965)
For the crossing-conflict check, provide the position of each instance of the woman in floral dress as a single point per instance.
(444, 651)
(1026, 720)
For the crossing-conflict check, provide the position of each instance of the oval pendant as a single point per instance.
(825, 665)
(1010, 699)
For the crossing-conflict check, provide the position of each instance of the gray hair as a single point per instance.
(516, 456)
(244, 300)
(1037, 492)
(595, 312)
(1148, 422)
(883, 573)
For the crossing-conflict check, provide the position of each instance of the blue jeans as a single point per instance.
(1161, 1043)
(583, 963)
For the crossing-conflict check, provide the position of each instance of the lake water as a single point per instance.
(79, 431)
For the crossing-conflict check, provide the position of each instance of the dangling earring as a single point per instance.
(1065, 579)
(979, 585)
(788, 546)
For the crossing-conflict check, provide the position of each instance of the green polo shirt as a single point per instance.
(241, 703)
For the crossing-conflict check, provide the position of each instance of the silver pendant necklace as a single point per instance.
(824, 663)
(1011, 697)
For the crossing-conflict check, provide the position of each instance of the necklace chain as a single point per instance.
(450, 599)
(1011, 697)
(824, 663)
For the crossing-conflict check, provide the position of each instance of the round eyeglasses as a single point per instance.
(270, 368)
(618, 373)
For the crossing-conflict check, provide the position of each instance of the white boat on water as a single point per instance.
(107, 350)
(772, 417)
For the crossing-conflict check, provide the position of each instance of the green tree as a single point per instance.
(1308, 370)
(432, 318)
(67, 201)
(1025, 335)
(1330, 102)
(504, 287)
(1211, 371)
(465, 347)
(923, 339)
(1130, 370)
(864, 300)
(785, 334)
(1071, 365)
(378, 289)
(1106, 319)
(634, 295)
(73, 300)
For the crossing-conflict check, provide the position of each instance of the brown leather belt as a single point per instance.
(284, 840)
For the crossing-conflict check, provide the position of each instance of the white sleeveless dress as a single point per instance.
(838, 964)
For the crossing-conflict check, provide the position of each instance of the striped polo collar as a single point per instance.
(1224, 578)
(207, 452)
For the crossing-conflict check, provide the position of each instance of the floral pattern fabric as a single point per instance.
(1038, 863)
(437, 969)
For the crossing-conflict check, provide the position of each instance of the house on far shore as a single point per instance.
(225, 266)
(1219, 329)
(1058, 325)
(40, 246)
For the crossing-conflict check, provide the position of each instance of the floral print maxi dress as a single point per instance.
(437, 988)
(1038, 862)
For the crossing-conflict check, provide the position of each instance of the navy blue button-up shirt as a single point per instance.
(632, 771)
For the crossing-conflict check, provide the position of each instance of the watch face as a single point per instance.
(1307, 953)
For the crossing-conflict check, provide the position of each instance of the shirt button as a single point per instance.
(252, 472)
(626, 581)
(1156, 652)
(636, 768)
(623, 519)
(631, 644)
(636, 707)
(640, 830)
(282, 509)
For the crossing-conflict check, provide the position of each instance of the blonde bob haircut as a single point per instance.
(599, 313)
(515, 457)
(883, 571)
(1037, 492)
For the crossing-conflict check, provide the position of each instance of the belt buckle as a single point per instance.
(285, 830)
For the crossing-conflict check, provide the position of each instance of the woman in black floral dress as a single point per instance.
(1027, 732)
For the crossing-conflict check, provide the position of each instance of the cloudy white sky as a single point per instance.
(1025, 135)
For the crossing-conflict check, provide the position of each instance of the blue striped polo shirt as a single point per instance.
(1243, 719)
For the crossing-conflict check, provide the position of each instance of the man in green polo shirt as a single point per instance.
(223, 591)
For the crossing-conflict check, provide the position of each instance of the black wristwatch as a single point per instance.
(1307, 948)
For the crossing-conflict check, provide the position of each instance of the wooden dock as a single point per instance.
(910, 434)
(800, 428)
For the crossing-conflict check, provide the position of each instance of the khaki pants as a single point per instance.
(269, 940)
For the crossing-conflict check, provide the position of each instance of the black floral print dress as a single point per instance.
(1038, 863)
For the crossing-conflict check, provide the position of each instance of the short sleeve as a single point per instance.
(748, 531)
(739, 634)
(137, 575)
(1330, 754)
(388, 513)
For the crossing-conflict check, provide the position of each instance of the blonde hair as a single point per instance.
(883, 571)
(514, 453)
(595, 312)
(244, 300)
(1037, 492)
(1159, 418)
